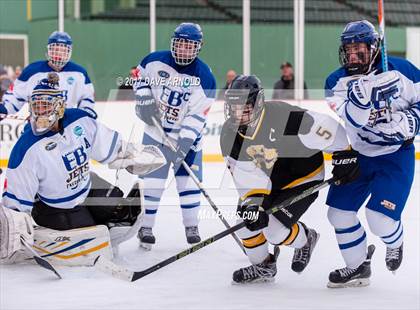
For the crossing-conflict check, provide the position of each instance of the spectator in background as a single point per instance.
(125, 90)
(5, 81)
(230, 75)
(284, 88)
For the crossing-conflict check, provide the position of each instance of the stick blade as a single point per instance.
(45, 264)
(108, 267)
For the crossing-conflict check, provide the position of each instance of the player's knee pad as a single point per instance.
(380, 224)
(342, 219)
(276, 232)
(75, 247)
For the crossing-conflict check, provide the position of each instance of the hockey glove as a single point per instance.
(183, 147)
(253, 214)
(345, 166)
(146, 107)
(403, 126)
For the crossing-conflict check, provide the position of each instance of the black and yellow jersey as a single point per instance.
(282, 150)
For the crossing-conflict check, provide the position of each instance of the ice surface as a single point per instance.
(203, 280)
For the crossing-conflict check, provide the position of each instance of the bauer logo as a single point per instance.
(50, 146)
(70, 80)
(78, 131)
(163, 74)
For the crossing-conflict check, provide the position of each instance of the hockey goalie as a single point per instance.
(52, 201)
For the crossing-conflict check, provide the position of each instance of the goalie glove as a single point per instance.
(138, 159)
(403, 126)
(13, 226)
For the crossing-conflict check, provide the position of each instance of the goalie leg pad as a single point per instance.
(13, 226)
(75, 247)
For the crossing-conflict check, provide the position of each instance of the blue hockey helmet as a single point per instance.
(46, 104)
(59, 49)
(186, 43)
(359, 58)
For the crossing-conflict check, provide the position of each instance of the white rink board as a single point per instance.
(120, 115)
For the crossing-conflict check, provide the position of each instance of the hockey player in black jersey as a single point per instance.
(274, 151)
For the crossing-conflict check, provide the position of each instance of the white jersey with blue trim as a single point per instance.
(367, 138)
(183, 94)
(74, 81)
(54, 167)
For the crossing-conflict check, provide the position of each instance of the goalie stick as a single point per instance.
(199, 185)
(14, 117)
(39, 260)
(120, 272)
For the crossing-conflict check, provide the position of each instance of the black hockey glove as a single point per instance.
(253, 214)
(346, 166)
(146, 108)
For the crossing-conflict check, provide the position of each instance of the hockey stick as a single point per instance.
(38, 259)
(384, 52)
(122, 273)
(198, 183)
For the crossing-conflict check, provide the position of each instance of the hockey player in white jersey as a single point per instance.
(48, 174)
(177, 88)
(381, 111)
(74, 80)
(274, 151)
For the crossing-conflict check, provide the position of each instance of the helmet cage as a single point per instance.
(59, 54)
(46, 108)
(184, 51)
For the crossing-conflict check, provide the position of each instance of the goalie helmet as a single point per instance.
(186, 43)
(59, 49)
(359, 58)
(244, 101)
(46, 105)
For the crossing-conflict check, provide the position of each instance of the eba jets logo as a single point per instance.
(78, 131)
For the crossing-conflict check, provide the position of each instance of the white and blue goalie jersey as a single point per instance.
(367, 138)
(54, 167)
(74, 81)
(183, 94)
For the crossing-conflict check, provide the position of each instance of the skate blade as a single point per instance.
(352, 283)
(146, 246)
(258, 281)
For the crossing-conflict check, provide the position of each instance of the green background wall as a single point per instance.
(108, 49)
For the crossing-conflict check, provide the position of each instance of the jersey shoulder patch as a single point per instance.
(74, 67)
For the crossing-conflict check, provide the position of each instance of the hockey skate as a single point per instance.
(348, 277)
(146, 237)
(192, 234)
(302, 256)
(393, 258)
(258, 273)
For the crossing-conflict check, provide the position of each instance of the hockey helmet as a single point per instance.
(186, 43)
(244, 100)
(59, 49)
(358, 58)
(46, 105)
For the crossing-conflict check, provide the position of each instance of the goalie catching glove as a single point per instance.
(138, 159)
